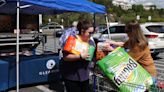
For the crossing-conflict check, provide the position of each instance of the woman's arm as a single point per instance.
(72, 57)
(115, 43)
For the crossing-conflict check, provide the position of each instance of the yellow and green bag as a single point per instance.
(125, 72)
(76, 46)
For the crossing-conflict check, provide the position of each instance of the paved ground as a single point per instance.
(159, 63)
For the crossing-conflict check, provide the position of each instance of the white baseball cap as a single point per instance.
(75, 23)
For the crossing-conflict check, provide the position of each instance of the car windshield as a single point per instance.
(58, 27)
(115, 29)
(156, 28)
(101, 28)
(51, 27)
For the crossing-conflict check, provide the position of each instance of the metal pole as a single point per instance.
(40, 22)
(107, 24)
(94, 21)
(17, 48)
(41, 30)
(94, 76)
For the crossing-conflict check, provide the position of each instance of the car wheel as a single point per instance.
(154, 54)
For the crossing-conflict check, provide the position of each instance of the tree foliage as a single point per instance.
(115, 13)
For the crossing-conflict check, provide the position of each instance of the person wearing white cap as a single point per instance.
(70, 31)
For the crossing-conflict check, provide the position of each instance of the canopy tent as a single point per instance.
(80, 5)
(51, 6)
(45, 7)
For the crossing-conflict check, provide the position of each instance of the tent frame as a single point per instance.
(17, 47)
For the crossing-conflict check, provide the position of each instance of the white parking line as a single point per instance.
(44, 89)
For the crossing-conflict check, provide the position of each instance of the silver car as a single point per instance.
(50, 29)
(116, 33)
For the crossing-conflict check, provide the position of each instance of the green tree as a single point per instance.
(115, 13)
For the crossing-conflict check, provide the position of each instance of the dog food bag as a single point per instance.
(76, 46)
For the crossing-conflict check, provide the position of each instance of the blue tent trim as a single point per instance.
(79, 5)
(52, 6)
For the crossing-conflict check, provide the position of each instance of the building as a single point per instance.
(127, 4)
(123, 3)
(148, 6)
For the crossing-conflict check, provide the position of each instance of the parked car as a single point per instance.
(101, 28)
(51, 28)
(154, 32)
(116, 32)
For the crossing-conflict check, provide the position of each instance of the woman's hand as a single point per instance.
(120, 44)
(108, 48)
(115, 43)
(84, 55)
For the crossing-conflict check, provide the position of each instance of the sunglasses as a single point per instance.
(91, 32)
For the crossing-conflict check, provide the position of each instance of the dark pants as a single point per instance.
(76, 86)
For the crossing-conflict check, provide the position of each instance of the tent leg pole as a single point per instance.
(107, 24)
(17, 48)
(94, 21)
